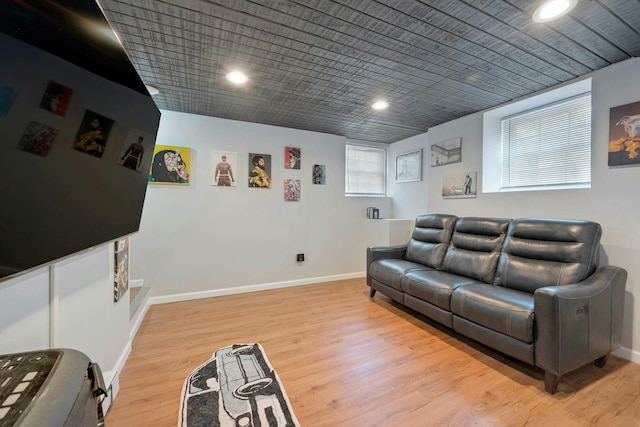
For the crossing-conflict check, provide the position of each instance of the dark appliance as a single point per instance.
(50, 388)
(68, 185)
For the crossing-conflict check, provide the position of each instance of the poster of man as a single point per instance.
(56, 98)
(259, 170)
(292, 157)
(224, 168)
(135, 150)
(93, 134)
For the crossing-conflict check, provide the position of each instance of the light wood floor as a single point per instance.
(348, 360)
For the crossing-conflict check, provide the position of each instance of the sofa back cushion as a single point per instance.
(430, 239)
(547, 252)
(475, 247)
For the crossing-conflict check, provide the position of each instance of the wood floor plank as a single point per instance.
(347, 359)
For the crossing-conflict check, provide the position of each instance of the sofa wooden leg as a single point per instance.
(601, 361)
(551, 382)
(372, 292)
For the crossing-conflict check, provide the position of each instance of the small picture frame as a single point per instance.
(460, 185)
(409, 166)
(446, 152)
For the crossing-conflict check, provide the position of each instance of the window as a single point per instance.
(550, 145)
(541, 143)
(365, 171)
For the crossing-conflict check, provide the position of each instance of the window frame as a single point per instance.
(492, 136)
(382, 173)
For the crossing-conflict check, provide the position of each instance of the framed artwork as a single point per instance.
(37, 139)
(93, 134)
(292, 190)
(121, 268)
(624, 135)
(224, 166)
(292, 157)
(446, 152)
(7, 96)
(409, 166)
(136, 148)
(56, 98)
(459, 185)
(170, 165)
(259, 170)
(319, 176)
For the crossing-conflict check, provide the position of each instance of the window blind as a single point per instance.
(549, 145)
(365, 171)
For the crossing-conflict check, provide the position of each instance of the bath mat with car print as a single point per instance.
(236, 387)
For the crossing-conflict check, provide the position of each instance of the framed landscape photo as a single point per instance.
(446, 152)
(409, 166)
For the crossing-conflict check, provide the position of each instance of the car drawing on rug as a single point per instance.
(237, 388)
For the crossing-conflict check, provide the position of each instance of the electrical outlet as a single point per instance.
(299, 257)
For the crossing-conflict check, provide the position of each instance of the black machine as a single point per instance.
(50, 388)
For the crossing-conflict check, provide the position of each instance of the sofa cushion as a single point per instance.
(503, 310)
(391, 271)
(430, 239)
(475, 247)
(434, 286)
(547, 252)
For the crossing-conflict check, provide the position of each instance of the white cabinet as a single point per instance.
(388, 232)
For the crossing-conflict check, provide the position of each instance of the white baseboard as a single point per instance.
(250, 288)
(628, 354)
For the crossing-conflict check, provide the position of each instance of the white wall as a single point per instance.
(612, 199)
(202, 238)
(67, 305)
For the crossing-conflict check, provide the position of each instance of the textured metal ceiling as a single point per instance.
(319, 64)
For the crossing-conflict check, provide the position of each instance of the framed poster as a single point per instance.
(38, 138)
(93, 134)
(136, 148)
(170, 165)
(56, 98)
(7, 96)
(459, 185)
(291, 190)
(259, 170)
(446, 152)
(409, 166)
(624, 135)
(292, 157)
(225, 165)
(121, 269)
(319, 176)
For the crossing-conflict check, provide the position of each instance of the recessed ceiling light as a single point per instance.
(237, 77)
(152, 90)
(380, 105)
(553, 9)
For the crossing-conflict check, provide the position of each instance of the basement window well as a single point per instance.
(539, 143)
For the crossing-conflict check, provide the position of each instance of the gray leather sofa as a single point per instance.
(530, 288)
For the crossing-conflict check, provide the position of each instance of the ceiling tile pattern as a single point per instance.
(319, 64)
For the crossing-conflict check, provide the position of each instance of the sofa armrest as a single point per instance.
(579, 323)
(384, 252)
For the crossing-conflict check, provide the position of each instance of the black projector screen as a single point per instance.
(77, 128)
